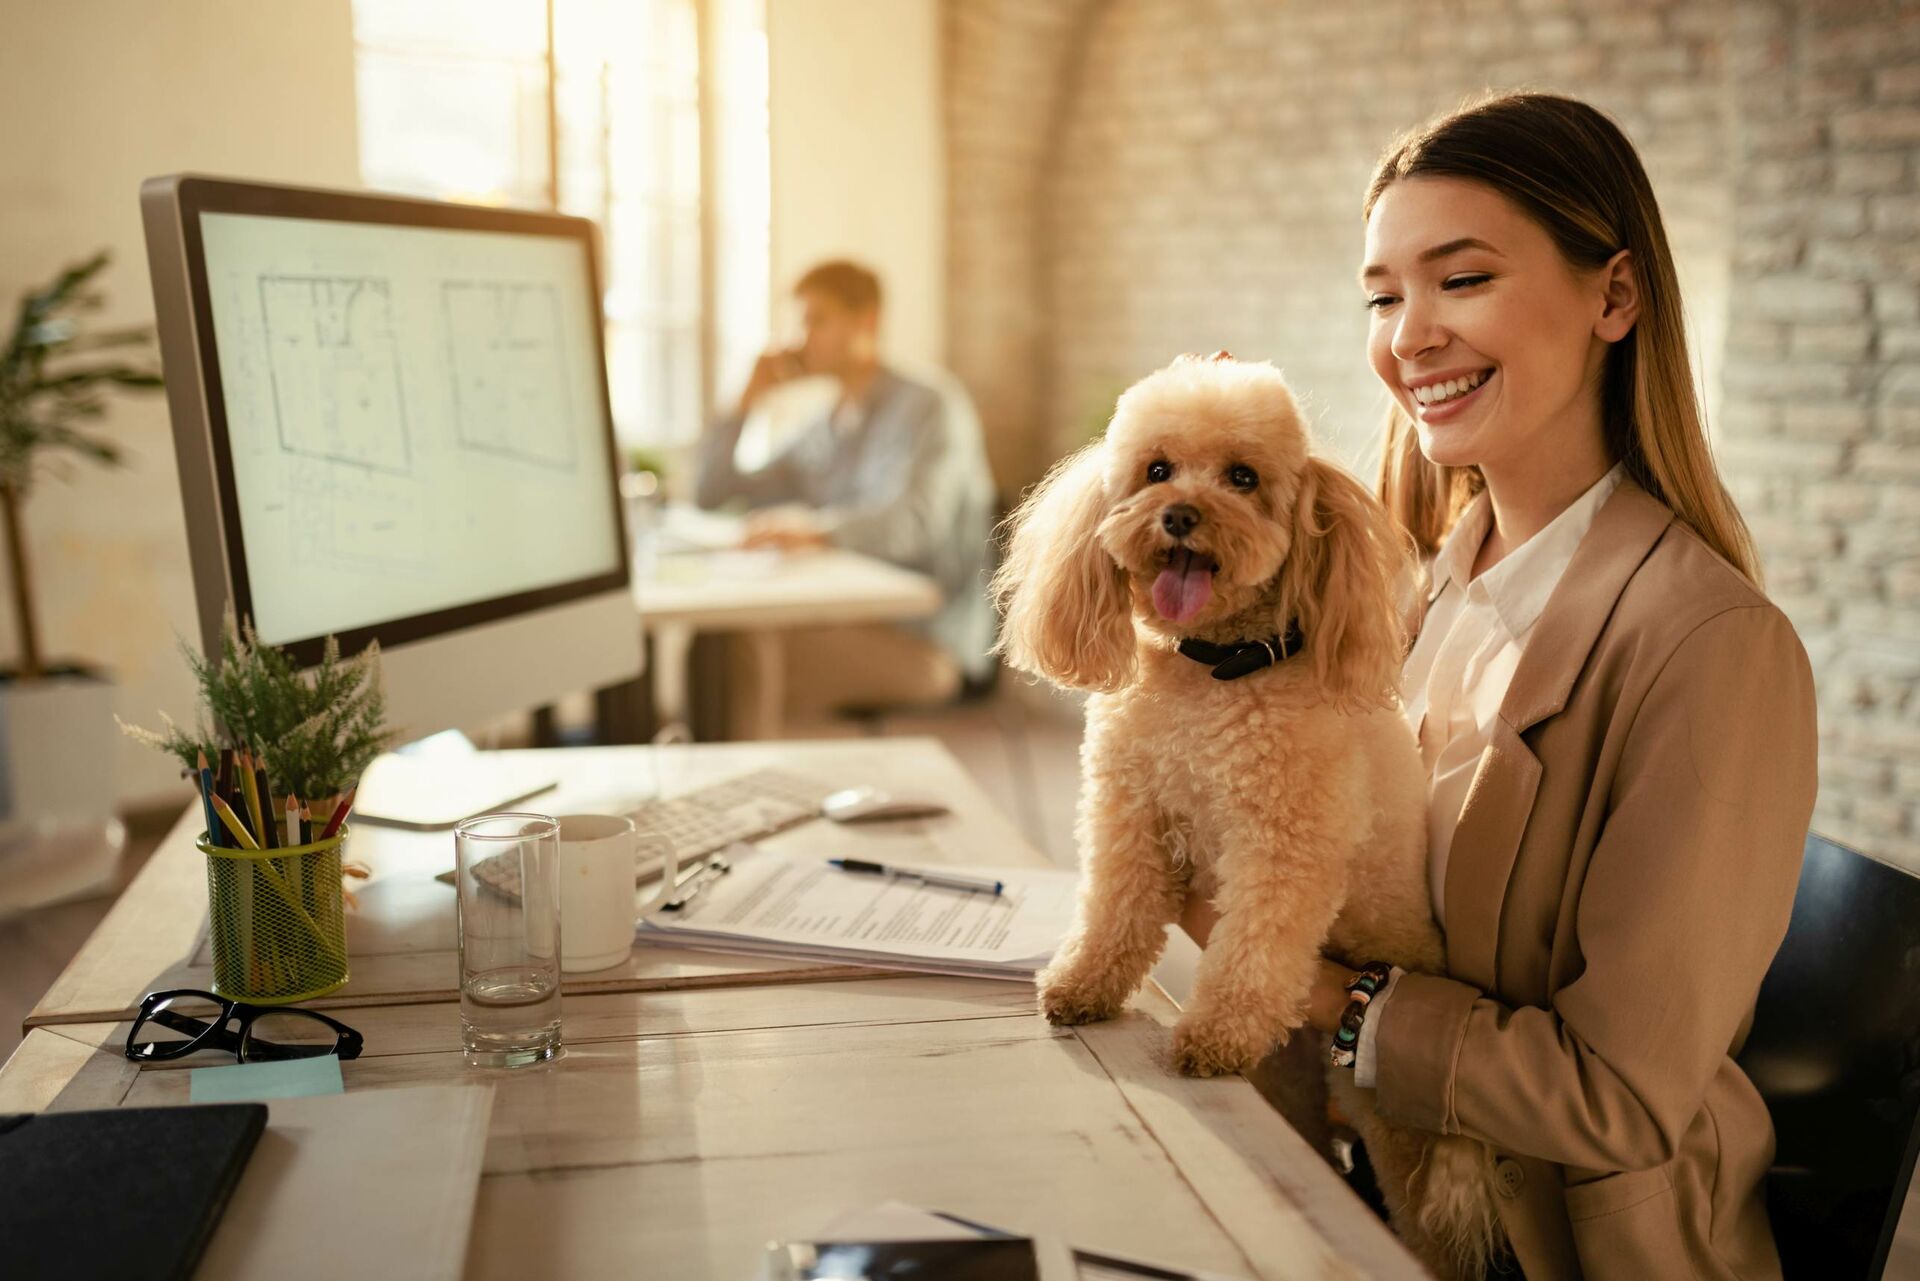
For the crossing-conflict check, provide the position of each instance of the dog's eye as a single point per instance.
(1158, 470)
(1241, 476)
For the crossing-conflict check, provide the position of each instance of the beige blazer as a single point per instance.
(1620, 879)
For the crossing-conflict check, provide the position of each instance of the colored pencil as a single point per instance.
(234, 824)
(204, 777)
(306, 825)
(269, 808)
(249, 791)
(339, 814)
(292, 836)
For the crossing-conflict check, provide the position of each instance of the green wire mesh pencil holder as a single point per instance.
(276, 920)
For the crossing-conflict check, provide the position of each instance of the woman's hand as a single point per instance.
(1328, 998)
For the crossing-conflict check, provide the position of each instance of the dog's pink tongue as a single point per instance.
(1182, 589)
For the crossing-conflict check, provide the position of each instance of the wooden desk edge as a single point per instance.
(578, 987)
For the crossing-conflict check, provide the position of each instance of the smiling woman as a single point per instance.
(1591, 643)
(1448, 319)
(1508, 237)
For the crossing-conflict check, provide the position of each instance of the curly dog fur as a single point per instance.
(1294, 797)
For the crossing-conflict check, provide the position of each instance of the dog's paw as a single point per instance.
(1067, 1000)
(1218, 1047)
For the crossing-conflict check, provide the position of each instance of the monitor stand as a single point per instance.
(442, 780)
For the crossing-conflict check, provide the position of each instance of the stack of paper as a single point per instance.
(786, 905)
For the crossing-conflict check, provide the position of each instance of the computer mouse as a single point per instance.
(870, 804)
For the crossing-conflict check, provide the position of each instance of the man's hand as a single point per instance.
(787, 529)
(779, 365)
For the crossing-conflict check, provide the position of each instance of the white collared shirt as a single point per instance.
(1457, 674)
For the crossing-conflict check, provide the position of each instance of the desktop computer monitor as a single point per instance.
(391, 421)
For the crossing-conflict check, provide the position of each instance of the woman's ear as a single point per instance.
(1062, 599)
(1621, 283)
(1338, 584)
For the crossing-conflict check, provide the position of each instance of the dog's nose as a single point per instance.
(1179, 519)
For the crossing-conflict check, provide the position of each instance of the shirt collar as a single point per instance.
(1453, 563)
(1518, 587)
(847, 417)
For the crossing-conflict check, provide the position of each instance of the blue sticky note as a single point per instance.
(284, 1079)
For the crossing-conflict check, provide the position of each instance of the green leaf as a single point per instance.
(49, 334)
(67, 438)
(99, 339)
(38, 406)
(120, 375)
(318, 729)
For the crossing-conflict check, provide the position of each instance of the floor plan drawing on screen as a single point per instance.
(335, 367)
(510, 391)
(366, 522)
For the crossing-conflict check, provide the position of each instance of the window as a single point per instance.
(595, 107)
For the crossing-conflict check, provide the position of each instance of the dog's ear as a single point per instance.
(1345, 562)
(1063, 600)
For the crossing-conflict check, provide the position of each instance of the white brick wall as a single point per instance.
(1823, 378)
(1008, 67)
(1208, 187)
(1135, 178)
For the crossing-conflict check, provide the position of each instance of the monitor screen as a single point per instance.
(415, 420)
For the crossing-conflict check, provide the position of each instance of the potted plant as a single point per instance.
(277, 753)
(320, 727)
(58, 834)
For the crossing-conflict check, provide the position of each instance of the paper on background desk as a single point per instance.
(797, 907)
(329, 1194)
(685, 528)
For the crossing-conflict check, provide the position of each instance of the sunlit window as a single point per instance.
(594, 107)
(741, 192)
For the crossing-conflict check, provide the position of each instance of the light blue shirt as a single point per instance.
(906, 482)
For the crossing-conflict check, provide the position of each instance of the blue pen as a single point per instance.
(946, 879)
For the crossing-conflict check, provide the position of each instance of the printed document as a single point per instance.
(804, 908)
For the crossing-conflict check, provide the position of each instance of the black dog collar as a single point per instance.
(1230, 662)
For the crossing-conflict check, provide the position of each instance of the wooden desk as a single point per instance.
(684, 1129)
(758, 595)
(401, 943)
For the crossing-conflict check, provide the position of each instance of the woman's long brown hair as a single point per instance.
(1570, 169)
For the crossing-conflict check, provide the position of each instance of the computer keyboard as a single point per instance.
(743, 808)
(695, 824)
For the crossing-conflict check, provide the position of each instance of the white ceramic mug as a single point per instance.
(598, 905)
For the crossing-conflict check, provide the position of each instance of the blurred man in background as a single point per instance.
(895, 469)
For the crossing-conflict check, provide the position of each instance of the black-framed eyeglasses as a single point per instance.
(172, 1025)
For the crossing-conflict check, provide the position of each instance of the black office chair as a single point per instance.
(1835, 1051)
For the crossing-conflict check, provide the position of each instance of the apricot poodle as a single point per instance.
(1228, 599)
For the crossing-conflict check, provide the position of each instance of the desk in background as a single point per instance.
(690, 578)
(759, 595)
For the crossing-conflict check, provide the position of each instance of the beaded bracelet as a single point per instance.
(1364, 986)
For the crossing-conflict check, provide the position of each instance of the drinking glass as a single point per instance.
(509, 919)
